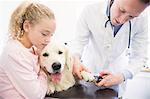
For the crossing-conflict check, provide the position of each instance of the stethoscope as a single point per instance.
(129, 40)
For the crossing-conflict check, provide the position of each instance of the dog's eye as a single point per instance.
(45, 54)
(60, 52)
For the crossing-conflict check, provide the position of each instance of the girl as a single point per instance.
(31, 27)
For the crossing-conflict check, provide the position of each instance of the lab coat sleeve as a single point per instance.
(139, 44)
(20, 71)
(127, 74)
(82, 34)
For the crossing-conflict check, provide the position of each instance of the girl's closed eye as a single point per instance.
(47, 34)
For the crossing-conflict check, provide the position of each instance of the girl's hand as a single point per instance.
(110, 79)
(42, 73)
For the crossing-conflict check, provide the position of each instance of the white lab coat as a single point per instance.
(98, 47)
(102, 46)
(139, 87)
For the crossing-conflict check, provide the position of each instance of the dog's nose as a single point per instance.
(56, 66)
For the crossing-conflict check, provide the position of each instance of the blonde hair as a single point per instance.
(30, 11)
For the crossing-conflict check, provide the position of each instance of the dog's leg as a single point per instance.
(51, 88)
(87, 76)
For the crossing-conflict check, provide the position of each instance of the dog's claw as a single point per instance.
(97, 79)
(90, 77)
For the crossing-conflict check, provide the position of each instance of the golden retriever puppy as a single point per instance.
(57, 63)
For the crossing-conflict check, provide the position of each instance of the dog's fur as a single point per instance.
(62, 78)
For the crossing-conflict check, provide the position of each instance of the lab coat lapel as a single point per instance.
(120, 41)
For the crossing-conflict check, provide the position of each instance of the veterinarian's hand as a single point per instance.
(110, 79)
(78, 67)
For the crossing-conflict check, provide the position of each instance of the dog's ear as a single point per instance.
(69, 59)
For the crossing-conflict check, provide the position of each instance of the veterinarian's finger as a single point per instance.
(104, 76)
(76, 67)
(108, 83)
(85, 69)
(78, 73)
(101, 83)
(105, 72)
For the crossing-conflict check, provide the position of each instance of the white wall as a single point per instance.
(148, 11)
(66, 12)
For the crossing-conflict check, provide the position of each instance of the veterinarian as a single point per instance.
(110, 42)
(31, 27)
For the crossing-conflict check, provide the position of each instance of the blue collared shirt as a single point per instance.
(116, 28)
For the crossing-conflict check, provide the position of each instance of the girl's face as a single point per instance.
(124, 10)
(40, 33)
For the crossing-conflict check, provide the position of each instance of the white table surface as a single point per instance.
(138, 87)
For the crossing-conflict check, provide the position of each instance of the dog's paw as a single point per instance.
(87, 76)
(51, 89)
(49, 92)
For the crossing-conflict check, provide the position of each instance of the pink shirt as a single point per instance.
(19, 78)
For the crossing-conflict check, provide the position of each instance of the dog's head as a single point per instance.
(55, 58)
